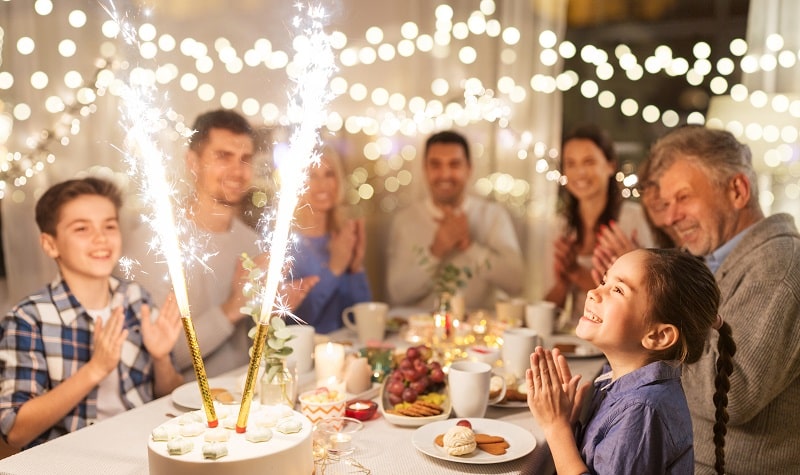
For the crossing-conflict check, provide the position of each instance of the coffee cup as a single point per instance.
(302, 347)
(469, 383)
(367, 319)
(518, 344)
(541, 317)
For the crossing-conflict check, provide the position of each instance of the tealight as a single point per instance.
(335, 435)
(361, 409)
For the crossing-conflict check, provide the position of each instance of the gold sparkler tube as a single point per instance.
(252, 371)
(200, 371)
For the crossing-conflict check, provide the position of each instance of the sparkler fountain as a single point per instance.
(141, 121)
(315, 62)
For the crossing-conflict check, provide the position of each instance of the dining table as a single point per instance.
(118, 445)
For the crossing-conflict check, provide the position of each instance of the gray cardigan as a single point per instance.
(760, 285)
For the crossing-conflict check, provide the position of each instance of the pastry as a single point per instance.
(258, 434)
(179, 446)
(193, 429)
(289, 426)
(459, 440)
(164, 433)
(215, 450)
(217, 435)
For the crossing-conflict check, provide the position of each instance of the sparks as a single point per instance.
(142, 121)
(315, 63)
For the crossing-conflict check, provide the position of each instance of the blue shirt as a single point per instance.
(47, 337)
(323, 306)
(641, 424)
(714, 260)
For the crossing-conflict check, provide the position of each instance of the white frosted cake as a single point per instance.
(276, 437)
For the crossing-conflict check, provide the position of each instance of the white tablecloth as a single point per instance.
(119, 445)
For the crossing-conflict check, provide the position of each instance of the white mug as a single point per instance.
(518, 344)
(302, 347)
(469, 383)
(541, 317)
(370, 320)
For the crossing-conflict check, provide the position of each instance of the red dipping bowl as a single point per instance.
(361, 409)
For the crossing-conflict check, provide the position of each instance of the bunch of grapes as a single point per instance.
(413, 377)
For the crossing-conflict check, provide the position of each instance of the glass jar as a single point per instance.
(277, 383)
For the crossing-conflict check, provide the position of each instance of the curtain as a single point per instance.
(514, 145)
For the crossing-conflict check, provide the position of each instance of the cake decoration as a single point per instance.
(215, 450)
(179, 446)
(258, 434)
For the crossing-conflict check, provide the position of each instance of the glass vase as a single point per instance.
(277, 383)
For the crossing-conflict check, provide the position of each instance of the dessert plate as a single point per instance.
(511, 404)
(582, 348)
(188, 395)
(521, 442)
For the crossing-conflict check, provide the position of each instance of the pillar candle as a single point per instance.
(329, 361)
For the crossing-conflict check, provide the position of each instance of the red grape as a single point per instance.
(396, 387)
(395, 399)
(412, 353)
(465, 423)
(420, 385)
(409, 395)
(437, 375)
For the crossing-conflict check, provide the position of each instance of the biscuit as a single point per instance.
(222, 395)
(419, 409)
(497, 448)
(439, 440)
(488, 439)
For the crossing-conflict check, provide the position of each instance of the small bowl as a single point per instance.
(484, 354)
(335, 435)
(361, 409)
(316, 406)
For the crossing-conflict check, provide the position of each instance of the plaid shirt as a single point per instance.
(47, 337)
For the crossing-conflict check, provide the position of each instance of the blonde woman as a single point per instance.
(329, 246)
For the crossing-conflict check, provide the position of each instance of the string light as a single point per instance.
(397, 114)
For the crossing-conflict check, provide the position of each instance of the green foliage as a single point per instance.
(277, 332)
(447, 278)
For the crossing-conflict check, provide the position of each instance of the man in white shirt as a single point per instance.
(452, 227)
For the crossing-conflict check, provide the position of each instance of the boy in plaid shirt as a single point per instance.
(87, 346)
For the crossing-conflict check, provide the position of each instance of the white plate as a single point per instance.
(188, 395)
(583, 349)
(407, 421)
(511, 405)
(521, 442)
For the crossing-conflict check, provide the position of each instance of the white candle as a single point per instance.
(329, 361)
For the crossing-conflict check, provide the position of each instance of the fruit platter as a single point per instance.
(415, 392)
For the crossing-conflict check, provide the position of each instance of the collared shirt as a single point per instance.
(714, 260)
(641, 424)
(47, 338)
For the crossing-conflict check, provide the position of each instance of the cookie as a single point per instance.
(488, 439)
(496, 448)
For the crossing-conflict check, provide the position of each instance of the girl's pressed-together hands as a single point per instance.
(555, 399)
(554, 394)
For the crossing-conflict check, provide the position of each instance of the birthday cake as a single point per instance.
(277, 437)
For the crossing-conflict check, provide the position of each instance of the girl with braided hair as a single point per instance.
(652, 312)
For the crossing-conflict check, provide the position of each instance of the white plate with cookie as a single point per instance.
(188, 395)
(572, 346)
(519, 440)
